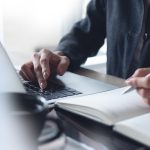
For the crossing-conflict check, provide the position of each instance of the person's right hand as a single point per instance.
(140, 80)
(42, 65)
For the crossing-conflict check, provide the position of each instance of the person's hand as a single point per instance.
(141, 81)
(42, 65)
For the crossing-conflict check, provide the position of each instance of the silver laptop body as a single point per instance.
(10, 81)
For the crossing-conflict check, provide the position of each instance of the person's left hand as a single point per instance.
(141, 81)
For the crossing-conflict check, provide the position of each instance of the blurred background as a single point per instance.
(26, 25)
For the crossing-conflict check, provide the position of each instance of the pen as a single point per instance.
(131, 88)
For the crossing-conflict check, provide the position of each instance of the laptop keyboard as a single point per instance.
(53, 91)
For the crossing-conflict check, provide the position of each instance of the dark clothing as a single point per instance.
(123, 23)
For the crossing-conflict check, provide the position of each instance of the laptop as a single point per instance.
(68, 85)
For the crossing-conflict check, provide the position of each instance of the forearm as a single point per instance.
(86, 37)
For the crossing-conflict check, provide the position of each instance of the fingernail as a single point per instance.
(42, 86)
(45, 75)
(128, 81)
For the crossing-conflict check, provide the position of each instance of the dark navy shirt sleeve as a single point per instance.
(86, 36)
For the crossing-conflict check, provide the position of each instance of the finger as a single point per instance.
(44, 62)
(63, 65)
(38, 71)
(141, 72)
(24, 76)
(28, 72)
(145, 93)
(139, 82)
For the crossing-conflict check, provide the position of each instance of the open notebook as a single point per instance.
(127, 113)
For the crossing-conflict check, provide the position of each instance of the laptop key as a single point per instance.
(77, 92)
(59, 94)
(66, 93)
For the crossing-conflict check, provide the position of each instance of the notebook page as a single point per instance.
(137, 128)
(112, 104)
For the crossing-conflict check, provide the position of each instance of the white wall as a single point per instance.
(29, 24)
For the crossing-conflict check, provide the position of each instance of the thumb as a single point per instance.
(63, 65)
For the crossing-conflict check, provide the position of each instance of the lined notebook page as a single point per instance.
(110, 106)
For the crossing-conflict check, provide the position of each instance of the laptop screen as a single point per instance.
(9, 80)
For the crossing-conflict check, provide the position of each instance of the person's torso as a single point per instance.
(128, 44)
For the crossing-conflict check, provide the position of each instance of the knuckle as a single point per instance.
(45, 51)
(43, 60)
(66, 59)
(139, 71)
(35, 55)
